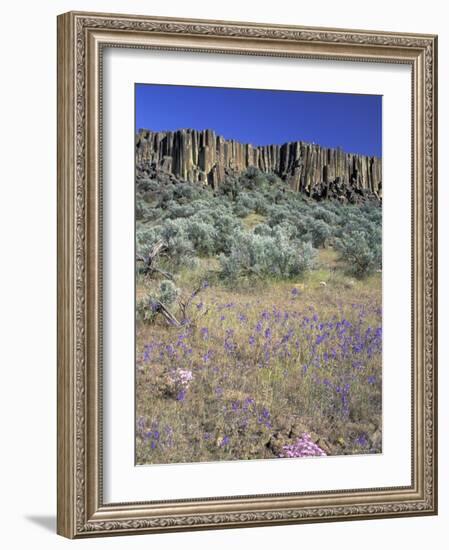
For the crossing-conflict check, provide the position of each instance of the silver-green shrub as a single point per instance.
(266, 256)
(361, 249)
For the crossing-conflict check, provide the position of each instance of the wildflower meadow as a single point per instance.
(258, 323)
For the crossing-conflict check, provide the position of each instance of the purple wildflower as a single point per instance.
(181, 395)
(207, 356)
(302, 447)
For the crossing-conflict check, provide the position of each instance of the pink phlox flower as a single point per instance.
(184, 376)
(302, 447)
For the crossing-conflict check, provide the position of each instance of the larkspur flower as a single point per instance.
(264, 418)
(287, 336)
(357, 348)
(247, 403)
(148, 349)
(334, 355)
(229, 345)
(207, 356)
(181, 395)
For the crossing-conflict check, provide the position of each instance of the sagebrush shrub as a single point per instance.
(196, 220)
(266, 256)
(203, 236)
(167, 292)
(147, 308)
(320, 231)
(146, 238)
(361, 250)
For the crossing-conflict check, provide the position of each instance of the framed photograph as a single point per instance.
(246, 274)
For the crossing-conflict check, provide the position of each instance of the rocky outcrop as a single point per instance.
(205, 157)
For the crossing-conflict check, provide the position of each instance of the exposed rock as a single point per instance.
(277, 442)
(281, 439)
(204, 157)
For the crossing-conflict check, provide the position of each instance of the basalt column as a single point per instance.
(207, 158)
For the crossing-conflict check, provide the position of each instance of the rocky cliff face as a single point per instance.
(204, 157)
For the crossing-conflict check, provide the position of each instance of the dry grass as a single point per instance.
(251, 220)
(266, 362)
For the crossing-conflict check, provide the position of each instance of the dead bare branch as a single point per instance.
(159, 307)
(150, 267)
(184, 302)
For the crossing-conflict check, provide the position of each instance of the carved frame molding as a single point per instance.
(81, 39)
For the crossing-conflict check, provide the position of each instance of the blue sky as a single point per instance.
(352, 122)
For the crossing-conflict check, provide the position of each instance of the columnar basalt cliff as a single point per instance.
(205, 157)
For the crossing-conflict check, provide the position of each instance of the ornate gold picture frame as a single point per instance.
(82, 40)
